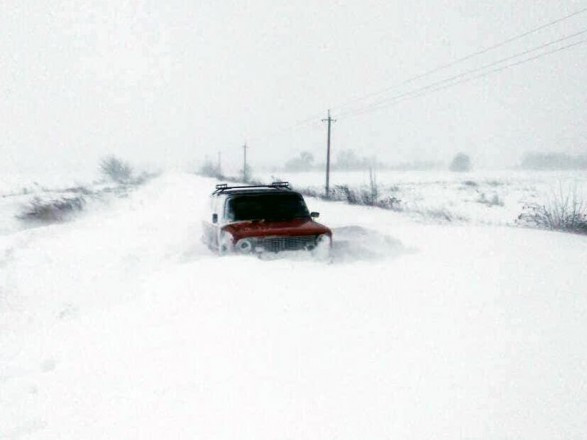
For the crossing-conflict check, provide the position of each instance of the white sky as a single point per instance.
(169, 82)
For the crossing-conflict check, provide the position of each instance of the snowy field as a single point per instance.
(479, 197)
(120, 324)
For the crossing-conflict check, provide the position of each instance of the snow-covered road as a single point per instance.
(122, 325)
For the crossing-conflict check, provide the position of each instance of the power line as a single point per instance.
(462, 59)
(307, 121)
(460, 75)
(314, 118)
(421, 92)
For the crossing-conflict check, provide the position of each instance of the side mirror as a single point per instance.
(214, 218)
(314, 214)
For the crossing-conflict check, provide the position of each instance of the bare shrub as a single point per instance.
(460, 163)
(373, 195)
(565, 211)
(144, 177)
(116, 169)
(390, 202)
(494, 200)
(210, 169)
(79, 190)
(438, 214)
(360, 196)
(345, 193)
(53, 210)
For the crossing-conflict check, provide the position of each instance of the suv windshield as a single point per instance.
(283, 206)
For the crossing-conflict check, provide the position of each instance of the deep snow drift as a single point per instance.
(120, 324)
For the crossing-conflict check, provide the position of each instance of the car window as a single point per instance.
(266, 207)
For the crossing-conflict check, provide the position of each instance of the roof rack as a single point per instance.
(224, 186)
(280, 184)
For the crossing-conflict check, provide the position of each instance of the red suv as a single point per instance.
(263, 218)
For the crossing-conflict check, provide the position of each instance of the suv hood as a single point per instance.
(289, 228)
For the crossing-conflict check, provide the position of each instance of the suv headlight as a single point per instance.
(323, 240)
(245, 246)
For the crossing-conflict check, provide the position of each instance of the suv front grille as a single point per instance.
(278, 244)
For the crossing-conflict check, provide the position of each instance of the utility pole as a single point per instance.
(330, 121)
(245, 176)
(219, 162)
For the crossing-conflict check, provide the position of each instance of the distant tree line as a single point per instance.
(303, 162)
(349, 160)
(346, 160)
(553, 161)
